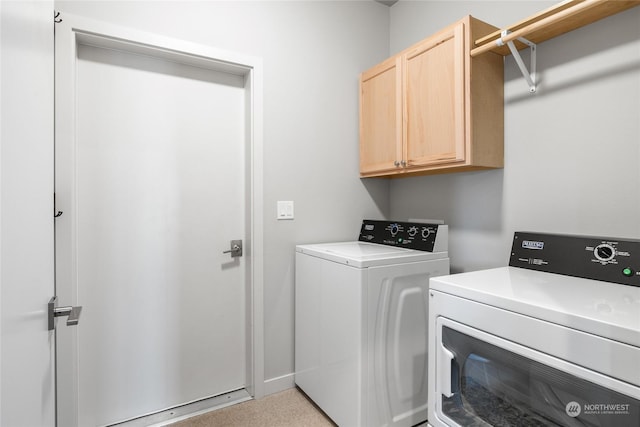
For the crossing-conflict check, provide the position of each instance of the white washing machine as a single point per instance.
(361, 311)
(551, 340)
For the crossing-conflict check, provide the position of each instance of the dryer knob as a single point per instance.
(604, 252)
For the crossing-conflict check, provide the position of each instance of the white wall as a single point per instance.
(312, 53)
(572, 150)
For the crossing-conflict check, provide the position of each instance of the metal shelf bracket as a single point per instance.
(530, 77)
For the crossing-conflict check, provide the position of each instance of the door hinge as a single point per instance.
(56, 214)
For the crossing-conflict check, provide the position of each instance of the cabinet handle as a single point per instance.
(396, 163)
(404, 164)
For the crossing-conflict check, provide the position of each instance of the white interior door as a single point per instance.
(26, 214)
(152, 186)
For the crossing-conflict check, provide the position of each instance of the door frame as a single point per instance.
(73, 31)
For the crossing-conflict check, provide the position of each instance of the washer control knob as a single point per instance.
(425, 232)
(604, 252)
(413, 231)
(394, 229)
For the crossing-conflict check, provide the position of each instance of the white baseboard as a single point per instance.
(278, 384)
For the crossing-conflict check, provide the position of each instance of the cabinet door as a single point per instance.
(434, 99)
(381, 117)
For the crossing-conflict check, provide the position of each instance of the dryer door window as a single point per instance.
(485, 380)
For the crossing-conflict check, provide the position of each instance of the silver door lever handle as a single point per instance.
(73, 313)
(236, 249)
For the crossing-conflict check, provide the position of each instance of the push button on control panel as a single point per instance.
(627, 272)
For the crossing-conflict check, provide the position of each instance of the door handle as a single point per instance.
(73, 313)
(235, 248)
(445, 371)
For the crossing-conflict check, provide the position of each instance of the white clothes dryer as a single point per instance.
(361, 312)
(551, 340)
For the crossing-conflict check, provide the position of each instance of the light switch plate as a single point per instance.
(285, 209)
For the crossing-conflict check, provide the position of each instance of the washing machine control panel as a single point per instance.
(599, 258)
(411, 235)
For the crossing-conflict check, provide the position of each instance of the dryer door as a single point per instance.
(484, 380)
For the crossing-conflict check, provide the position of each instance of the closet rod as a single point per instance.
(543, 23)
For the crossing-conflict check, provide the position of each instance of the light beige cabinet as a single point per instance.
(432, 108)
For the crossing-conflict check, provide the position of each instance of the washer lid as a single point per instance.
(363, 254)
(605, 309)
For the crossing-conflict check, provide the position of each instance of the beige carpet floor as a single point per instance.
(287, 408)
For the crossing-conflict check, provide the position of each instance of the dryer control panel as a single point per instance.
(410, 235)
(608, 259)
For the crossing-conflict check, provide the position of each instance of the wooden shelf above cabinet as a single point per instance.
(559, 19)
